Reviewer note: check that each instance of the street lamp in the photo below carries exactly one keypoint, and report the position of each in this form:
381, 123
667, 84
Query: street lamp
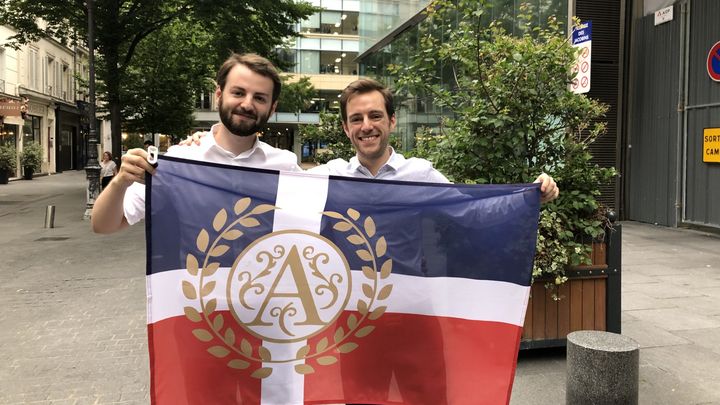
92, 168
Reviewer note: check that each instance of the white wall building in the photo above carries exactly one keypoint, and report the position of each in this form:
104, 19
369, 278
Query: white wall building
44, 73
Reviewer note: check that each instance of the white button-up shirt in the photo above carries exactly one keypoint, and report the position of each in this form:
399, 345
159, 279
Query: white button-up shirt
261, 155
396, 168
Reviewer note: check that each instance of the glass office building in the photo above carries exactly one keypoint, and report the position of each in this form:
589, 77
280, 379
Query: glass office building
389, 35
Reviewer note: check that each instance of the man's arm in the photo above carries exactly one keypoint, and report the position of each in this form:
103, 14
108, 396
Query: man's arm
108, 215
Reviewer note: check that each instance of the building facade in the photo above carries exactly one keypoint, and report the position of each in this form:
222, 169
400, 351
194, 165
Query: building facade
326, 53
44, 74
655, 63
672, 160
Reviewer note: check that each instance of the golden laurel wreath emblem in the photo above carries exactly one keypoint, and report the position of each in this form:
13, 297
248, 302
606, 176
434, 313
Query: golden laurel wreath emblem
212, 327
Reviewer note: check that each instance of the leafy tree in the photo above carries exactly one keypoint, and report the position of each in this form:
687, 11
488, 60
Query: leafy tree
510, 116
295, 96
158, 92
121, 26
328, 132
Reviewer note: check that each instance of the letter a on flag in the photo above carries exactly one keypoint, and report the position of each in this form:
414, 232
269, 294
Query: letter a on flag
268, 287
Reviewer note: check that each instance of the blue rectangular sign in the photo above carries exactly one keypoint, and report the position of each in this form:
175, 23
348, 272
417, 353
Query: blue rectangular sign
583, 33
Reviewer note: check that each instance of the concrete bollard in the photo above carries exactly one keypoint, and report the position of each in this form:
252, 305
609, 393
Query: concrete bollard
50, 216
602, 368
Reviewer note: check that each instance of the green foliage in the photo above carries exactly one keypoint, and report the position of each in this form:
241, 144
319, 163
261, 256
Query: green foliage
510, 116
8, 158
133, 141
329, 132
158, 92
31, 156
121, 28
295, 96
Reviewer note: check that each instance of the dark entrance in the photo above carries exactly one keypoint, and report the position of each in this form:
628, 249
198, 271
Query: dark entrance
66, 147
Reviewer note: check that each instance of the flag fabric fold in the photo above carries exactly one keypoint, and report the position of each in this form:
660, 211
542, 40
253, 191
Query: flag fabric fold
268, 287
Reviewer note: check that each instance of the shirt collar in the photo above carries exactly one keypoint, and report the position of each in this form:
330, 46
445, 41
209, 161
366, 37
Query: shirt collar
258, 146
393, 163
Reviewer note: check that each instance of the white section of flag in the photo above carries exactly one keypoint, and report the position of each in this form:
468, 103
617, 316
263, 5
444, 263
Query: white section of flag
301, 200
479, 300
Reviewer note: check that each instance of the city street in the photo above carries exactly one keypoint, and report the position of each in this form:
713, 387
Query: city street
73, 320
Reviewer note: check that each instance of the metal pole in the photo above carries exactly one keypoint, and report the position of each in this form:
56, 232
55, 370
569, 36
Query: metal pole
50, 216
92, 168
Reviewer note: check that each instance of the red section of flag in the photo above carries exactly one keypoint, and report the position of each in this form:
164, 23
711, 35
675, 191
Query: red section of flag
183, 372
406, 359
417, 359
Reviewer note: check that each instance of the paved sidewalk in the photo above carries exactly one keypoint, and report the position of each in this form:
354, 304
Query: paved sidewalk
73, 319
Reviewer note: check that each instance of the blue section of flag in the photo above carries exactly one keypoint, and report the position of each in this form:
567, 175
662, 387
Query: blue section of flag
442, 230
432, 230
183, 198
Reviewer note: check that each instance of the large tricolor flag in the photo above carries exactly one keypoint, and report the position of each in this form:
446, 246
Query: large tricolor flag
268, 287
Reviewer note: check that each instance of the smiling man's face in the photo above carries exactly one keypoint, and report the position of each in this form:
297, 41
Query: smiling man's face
245, 103
368, 126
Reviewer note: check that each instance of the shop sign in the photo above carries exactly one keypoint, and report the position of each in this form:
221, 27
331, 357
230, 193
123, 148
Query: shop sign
711, 145
10, 108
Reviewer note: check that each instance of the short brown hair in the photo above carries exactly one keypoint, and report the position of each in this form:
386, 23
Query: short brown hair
255, 63
364, 86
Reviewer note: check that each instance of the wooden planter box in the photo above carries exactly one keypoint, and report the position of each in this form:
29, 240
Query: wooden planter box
590, 299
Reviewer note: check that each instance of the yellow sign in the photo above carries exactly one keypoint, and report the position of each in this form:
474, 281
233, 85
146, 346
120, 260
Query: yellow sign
711, 145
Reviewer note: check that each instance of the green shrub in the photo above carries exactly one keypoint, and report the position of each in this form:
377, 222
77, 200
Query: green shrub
31, 156
8, 158
509, 116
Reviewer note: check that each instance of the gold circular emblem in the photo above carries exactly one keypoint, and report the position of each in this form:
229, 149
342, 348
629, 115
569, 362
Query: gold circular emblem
288, 286
284, 287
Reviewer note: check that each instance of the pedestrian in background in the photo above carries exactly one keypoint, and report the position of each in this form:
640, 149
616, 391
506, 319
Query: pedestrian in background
108, 169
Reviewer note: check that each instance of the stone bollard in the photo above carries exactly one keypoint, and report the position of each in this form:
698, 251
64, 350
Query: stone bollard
602, 368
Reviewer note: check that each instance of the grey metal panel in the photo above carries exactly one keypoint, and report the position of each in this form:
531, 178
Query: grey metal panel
652, 160
703, 179
704, 33
702, 182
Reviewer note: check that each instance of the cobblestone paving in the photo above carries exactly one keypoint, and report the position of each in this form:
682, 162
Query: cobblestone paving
72, 324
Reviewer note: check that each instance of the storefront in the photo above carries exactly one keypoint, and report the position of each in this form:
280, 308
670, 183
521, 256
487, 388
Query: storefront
69, 145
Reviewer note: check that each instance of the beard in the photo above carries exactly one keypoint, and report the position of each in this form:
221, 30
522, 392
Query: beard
242, 128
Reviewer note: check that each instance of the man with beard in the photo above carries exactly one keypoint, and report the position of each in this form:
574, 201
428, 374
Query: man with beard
247, 90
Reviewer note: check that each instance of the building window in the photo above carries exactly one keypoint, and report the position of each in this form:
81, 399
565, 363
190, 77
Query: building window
311, 25
31, 130
67, 83
49, 75
331, 22
338, 63
309, 62
33, 69
8, 134
203, 101
2, 70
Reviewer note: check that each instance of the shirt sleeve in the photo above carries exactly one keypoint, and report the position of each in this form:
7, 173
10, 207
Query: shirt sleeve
435, 176
134, 203
321, 169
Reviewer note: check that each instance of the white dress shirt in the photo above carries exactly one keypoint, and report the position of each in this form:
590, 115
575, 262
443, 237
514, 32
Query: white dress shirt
396, 168
261, 155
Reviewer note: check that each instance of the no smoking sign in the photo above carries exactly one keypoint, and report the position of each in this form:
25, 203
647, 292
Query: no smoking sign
582, 40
